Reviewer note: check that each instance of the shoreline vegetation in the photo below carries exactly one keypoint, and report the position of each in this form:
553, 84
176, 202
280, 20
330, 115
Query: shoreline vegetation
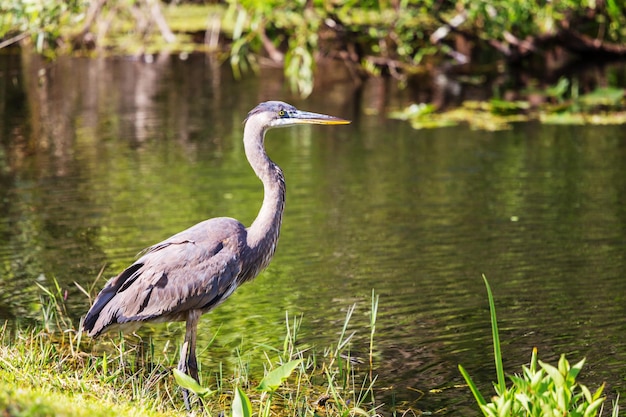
49, 369
488, 63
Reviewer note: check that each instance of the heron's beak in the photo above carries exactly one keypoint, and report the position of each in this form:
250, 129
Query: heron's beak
305, 117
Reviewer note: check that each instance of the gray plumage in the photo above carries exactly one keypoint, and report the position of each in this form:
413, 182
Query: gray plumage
192, 272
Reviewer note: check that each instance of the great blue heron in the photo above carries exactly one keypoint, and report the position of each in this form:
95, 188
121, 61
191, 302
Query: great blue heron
195, 270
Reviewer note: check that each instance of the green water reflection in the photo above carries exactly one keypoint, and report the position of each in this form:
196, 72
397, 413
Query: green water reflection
101, 158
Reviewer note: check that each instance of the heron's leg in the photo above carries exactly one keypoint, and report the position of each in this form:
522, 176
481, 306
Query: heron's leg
190, 336
188, 363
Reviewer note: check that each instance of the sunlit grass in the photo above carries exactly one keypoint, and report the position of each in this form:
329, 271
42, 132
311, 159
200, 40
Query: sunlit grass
48, 369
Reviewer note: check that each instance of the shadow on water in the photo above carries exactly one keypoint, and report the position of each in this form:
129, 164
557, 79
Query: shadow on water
100, 158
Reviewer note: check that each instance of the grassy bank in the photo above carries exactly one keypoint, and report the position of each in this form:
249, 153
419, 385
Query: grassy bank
49, 369
45, 373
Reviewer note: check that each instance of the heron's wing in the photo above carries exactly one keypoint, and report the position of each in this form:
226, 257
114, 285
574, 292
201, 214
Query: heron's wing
193, 270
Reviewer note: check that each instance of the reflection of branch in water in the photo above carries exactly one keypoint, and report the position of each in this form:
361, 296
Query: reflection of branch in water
145, 86
51, 103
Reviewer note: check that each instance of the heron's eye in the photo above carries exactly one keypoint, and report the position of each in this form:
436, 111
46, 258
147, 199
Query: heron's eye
282, 113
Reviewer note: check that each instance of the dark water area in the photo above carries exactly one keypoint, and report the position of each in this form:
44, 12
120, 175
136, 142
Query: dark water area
100, 158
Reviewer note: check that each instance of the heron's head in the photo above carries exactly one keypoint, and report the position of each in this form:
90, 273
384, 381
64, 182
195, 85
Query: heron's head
278, 114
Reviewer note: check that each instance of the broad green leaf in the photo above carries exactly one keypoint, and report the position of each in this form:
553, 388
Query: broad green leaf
554, 373
241, 404
598, 393
592, 410
190, 384
563, 397
489, 410
274, 378
536, 378
563, 365
575, 370
586, 393
505, 409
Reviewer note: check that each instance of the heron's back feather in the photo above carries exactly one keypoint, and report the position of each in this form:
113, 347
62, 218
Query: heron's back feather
193, 270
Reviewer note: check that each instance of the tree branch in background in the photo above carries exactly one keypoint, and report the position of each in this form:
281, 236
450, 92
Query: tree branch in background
95, 7
579, 43
14, 39
274, 54
157, 17
145, 13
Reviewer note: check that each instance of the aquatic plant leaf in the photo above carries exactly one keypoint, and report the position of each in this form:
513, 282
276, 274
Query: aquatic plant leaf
413, 111
573, 372
586, 393
559, 89
554, 374
505, 107
187, 382
563, 366
274, 378
241, 404
592, 409
543, 390
607, 96
497, 352
598, 393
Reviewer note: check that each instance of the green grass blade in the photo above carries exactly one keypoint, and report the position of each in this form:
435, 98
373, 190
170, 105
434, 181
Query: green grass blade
496, 340
373, 316
615, 407
472, 386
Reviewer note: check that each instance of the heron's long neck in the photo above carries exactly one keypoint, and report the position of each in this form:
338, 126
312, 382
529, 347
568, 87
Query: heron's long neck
264, 231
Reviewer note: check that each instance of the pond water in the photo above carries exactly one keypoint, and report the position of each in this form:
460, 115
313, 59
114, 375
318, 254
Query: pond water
100, 158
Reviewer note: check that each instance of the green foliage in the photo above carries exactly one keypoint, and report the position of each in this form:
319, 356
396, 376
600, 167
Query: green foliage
242, 407
187, 382
42, 20
241, 404
496, 19
375, 37
608, 97
545, 390
396, 36
494, 115
289, 382
51, 370
19, 401
559, 104
289, 32
273, 379
541, 390
270, 25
